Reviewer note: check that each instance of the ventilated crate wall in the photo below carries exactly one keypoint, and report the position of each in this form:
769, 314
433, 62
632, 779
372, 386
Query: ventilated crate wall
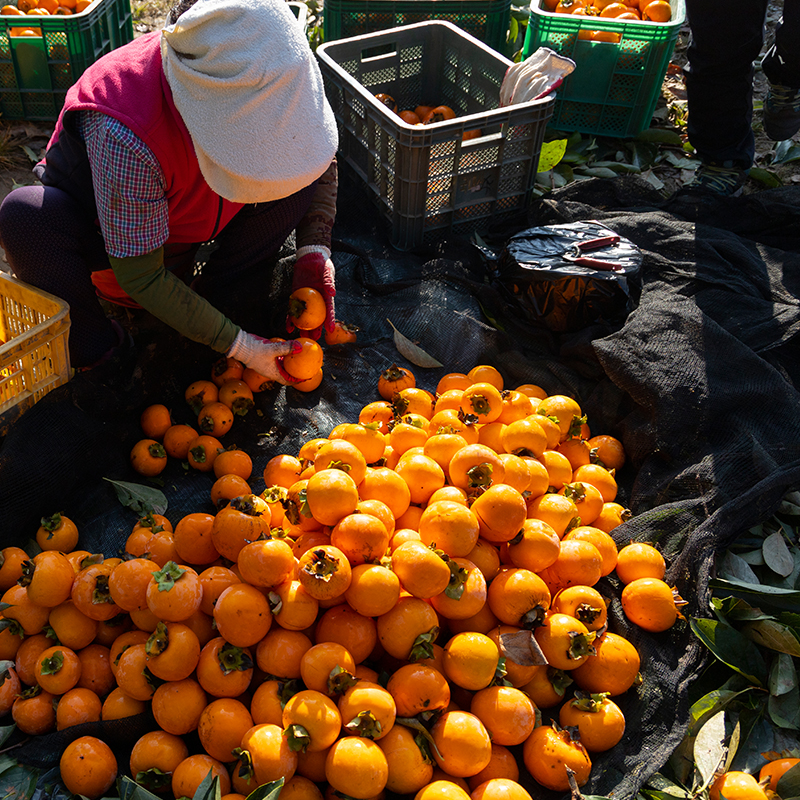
428, 180
616, 85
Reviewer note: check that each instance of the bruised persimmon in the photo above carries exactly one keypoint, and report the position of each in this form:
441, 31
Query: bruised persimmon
237, 395
342, 333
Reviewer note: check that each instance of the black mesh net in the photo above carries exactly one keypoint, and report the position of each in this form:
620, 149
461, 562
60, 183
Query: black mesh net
699, 382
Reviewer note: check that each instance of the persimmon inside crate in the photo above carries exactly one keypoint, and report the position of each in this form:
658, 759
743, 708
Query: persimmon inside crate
431, 180
34, 359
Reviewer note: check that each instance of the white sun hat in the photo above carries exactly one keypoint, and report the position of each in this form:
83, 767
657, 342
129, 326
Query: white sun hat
250, 92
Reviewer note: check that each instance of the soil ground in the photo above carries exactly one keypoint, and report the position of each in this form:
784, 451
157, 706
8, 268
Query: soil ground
21, 142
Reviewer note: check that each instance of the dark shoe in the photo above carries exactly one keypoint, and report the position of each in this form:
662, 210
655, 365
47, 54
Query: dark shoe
720, 181
781, 112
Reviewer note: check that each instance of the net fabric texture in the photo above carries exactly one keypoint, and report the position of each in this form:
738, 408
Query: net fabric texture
700, 382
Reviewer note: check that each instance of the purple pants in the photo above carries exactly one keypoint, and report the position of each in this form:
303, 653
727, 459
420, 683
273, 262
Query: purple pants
51, 242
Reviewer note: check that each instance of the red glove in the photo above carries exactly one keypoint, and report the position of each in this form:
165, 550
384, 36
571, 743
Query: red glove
314, 268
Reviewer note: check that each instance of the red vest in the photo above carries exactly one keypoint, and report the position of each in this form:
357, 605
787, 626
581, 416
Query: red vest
129, 84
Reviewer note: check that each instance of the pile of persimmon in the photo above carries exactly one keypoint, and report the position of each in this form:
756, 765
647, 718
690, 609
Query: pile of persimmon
423, 115
364, 623
39, 8
649, 10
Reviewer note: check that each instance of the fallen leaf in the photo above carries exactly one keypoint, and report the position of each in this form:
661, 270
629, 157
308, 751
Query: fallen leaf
410, 351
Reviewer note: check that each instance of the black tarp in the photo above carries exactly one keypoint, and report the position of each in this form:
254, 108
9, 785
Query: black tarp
699, 381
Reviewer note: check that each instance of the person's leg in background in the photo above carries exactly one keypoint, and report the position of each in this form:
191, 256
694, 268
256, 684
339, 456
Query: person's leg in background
781, 65
52, 244
726, 38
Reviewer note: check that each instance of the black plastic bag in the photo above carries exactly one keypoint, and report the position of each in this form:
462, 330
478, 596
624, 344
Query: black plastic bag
536, 277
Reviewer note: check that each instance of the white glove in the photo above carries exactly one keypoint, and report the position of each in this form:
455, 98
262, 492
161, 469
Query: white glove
539, 74
264, 357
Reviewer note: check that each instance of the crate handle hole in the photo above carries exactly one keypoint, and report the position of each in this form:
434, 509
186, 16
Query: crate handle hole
370, 53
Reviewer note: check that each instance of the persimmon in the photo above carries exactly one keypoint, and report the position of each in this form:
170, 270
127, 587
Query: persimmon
331, 495
373, 590
440, 113
387, 486
307, 309
193, 770
269, 754
215, 419
242, 615
307, 362
225, 369
91, 593
342, 333
311, 720
173, 651
193, 538
547, 753
237, 396
599, 720
463, 745
409, 629
177, 706
56, 532
507, 713
174, 592
279, 653
409, 117
408, 771
465, 594
775, 769
203, 451
88, 767
154, 757
356, 767
503, 764
71, 626
148, 457
10, 688
33, 711
155, 420
736, 785
293, 607
11, 559
222, 725
119, 705
199, 393
393, 379
243, 520
76, 707
613, 668
367, 710
48, 577
657, 11
451, 526
651, 604
58, 669
96, 671
640, 560
470, 660
584, 603
224, 670
518, 596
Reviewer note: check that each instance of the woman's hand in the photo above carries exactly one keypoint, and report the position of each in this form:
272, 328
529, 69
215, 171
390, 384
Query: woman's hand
266, 358
315, 269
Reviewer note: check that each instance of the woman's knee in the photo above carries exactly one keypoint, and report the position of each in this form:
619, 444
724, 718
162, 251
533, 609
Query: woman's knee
21, 217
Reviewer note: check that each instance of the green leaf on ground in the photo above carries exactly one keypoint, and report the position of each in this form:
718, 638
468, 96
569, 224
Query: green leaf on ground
551, 154
766, 178
773, 635
139, 498
731, 648
777, 555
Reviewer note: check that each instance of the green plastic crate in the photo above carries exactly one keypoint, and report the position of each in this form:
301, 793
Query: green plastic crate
432, 180
616, 85
486, 20
37, 71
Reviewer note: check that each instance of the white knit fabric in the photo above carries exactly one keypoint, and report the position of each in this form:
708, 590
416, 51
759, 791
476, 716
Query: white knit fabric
249, 89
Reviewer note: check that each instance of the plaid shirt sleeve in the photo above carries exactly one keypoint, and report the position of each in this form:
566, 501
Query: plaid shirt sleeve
128, 186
